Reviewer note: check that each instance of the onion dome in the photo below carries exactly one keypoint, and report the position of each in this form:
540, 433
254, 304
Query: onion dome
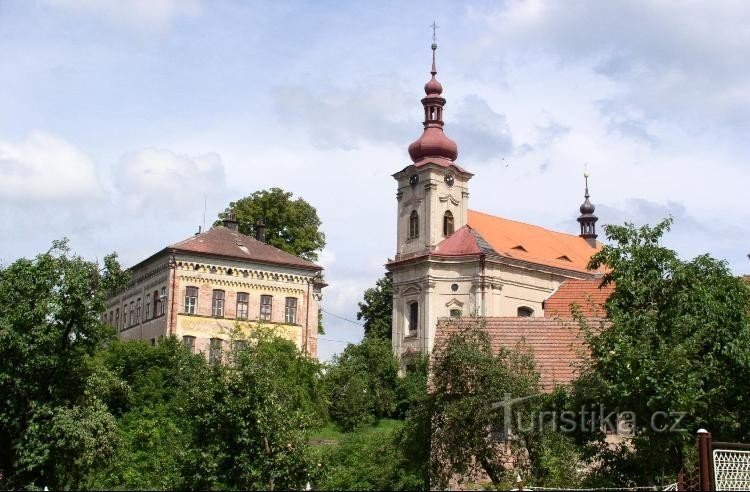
433, 142
587, 218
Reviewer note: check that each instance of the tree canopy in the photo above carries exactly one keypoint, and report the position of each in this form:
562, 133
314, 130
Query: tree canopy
54, 425
377, 309
291, 225
677, 341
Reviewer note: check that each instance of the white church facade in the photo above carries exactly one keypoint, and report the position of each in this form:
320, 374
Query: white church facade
454, 262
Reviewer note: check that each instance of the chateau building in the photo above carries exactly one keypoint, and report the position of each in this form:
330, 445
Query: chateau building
453, 262
202, 288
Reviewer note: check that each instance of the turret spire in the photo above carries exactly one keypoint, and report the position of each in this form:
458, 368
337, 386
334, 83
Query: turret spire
587, 218
433, 143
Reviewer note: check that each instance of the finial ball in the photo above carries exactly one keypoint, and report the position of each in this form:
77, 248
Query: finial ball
434, 46
586, 174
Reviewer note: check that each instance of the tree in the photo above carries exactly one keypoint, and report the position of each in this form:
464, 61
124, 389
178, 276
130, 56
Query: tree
291, 225
677, 340
361, 383
54, 425
155, 431
250, 418
377, 309
467, 380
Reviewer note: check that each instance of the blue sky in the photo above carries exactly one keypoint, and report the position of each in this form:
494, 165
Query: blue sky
117, 118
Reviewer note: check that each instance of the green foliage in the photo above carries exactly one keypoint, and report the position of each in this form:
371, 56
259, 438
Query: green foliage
53, 424
361, 383
367, 460
154, 429
678, 340
291, 225
321, 328
250, 420
377, 309
467, 379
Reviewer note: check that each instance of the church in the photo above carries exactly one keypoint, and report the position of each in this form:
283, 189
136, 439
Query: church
455, 263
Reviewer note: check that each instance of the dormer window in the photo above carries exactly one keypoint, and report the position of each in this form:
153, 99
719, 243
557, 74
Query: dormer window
413, 225
525, 312
447, 223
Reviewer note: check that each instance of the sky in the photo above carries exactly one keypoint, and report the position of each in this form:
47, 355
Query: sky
120, 119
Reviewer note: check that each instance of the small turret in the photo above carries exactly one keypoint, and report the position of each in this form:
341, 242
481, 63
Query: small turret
587, 218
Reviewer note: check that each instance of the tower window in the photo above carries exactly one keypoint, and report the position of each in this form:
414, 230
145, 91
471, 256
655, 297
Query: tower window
413, 225
447, 223
525, 312
413, 316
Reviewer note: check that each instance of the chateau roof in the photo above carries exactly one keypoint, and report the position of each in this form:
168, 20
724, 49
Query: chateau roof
557, 344
227, 243
532, 243
589, 295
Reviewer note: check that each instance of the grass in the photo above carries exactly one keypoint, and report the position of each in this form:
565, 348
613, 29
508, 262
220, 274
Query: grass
331, 434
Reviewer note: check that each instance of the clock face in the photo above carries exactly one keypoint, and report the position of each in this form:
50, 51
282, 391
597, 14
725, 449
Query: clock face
449, 179
414, 179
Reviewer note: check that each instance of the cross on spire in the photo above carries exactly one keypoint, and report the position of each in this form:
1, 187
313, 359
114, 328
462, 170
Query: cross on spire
434, 27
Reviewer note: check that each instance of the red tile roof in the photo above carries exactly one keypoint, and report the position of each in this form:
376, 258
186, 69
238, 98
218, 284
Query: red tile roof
557, 344
221, 241
461, 243
588, 295
533, 243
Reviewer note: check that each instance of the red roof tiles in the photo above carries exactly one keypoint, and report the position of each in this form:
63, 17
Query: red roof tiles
532, 243
460, 243
588, 295
221, 241
557, 344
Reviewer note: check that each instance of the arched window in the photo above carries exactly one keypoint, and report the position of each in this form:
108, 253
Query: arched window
413, 317
413, 224
447, 223
525, 312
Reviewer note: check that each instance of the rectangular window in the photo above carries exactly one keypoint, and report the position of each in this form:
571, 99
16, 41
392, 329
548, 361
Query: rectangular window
214, 353
242, 305
111, 318
147, 306
455, 313
290, 310
153, 342
132, 313
413, 316
117, 317
239, 345
189, 343
138, 311
266, 307
162, 300
191, 300
217, 304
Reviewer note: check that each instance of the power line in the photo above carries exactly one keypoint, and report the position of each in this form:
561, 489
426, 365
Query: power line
342, 318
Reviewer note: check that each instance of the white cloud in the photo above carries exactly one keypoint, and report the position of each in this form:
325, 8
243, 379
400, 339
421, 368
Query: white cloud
686, 59
157, 178
45, 168
150, 14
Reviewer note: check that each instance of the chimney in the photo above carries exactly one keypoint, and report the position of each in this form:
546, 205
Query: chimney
230, 222
260, 231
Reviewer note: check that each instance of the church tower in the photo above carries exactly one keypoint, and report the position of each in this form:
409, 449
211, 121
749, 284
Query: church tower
433, 191
432, 203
